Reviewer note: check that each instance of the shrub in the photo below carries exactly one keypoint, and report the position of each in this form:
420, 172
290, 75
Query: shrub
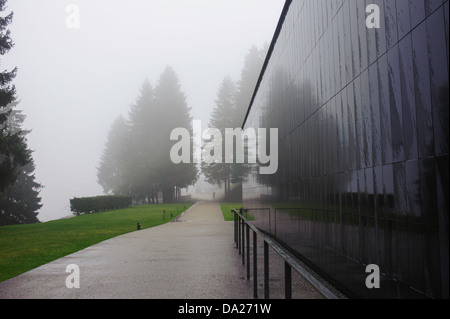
95, 204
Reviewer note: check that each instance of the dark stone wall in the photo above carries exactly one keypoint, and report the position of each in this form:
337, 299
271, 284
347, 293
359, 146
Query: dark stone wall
362, 118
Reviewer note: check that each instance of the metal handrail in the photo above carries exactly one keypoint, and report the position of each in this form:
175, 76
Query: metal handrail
241, 226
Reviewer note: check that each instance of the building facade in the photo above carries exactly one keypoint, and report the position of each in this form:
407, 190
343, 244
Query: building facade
362, 118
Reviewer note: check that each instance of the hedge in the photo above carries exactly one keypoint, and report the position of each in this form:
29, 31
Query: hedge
95, 204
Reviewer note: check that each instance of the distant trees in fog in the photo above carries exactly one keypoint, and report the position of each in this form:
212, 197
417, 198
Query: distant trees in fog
233, 100
136, 160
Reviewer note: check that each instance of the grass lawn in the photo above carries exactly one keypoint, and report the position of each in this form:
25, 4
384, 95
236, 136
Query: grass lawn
228, 215
226, 210
24, 247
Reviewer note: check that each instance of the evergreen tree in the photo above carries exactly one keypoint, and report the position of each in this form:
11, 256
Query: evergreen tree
231, 107
172, 112
111, 172
20, 201
13, 151
254, 61
137, 160
222, 117
141, 170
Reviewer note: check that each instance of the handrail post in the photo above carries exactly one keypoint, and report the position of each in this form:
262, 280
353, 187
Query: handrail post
287, 281
235, 230
248, 250
255, 266
239, 234
266, 270
243, 239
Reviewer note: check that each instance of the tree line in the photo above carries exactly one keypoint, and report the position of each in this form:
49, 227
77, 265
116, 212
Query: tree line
231, 105
136, 158
19, 191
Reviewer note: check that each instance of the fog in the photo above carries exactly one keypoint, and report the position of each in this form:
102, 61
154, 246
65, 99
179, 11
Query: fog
72, 83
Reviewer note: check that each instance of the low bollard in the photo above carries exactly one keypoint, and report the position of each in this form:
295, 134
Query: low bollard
138, 226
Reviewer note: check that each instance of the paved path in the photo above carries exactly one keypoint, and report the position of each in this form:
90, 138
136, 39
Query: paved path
192, 258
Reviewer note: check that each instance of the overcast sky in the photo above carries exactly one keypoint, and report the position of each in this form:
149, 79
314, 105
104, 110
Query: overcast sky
73, 83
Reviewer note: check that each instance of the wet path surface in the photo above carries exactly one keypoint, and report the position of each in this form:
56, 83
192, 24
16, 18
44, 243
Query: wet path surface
193, 258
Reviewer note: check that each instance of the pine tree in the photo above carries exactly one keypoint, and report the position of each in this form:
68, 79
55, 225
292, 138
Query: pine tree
13, 151
172, 112
231, 107
111, 172
222, 117
141, 170
254, 61
137, 160
20, 201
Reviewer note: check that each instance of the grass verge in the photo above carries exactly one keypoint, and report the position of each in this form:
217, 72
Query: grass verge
24, 247
226, 210
228, 215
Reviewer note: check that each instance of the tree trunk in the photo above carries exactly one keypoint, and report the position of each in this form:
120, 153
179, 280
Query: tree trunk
155, 196
168, 195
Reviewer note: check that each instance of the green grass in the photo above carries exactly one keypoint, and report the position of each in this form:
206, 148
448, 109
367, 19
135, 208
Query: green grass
228, 215
24, 247
226, 210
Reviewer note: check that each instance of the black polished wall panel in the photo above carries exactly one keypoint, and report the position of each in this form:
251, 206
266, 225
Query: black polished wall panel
438, 79
395, 105
362, 118
385, 111
422, 92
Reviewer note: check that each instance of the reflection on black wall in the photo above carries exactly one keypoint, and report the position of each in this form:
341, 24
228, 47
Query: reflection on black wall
363, 119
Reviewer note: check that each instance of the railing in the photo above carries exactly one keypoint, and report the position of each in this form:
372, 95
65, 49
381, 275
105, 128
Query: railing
242, 229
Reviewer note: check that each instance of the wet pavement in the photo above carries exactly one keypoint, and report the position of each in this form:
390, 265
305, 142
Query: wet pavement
193, 258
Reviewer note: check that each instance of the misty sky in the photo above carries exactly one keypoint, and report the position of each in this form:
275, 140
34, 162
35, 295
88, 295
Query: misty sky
73, 83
